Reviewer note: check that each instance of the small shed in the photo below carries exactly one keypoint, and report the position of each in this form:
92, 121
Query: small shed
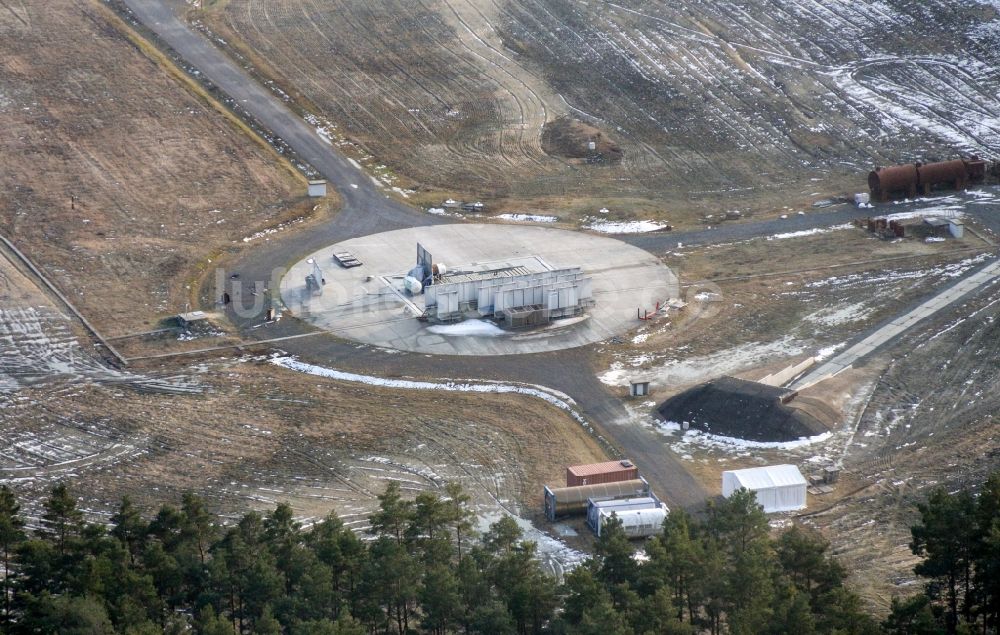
956, 228
191, 318
637, 523
638, 387
938, 226
317, 188
607, 472
779, 488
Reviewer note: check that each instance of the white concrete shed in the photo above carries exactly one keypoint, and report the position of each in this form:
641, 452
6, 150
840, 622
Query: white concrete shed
779, 488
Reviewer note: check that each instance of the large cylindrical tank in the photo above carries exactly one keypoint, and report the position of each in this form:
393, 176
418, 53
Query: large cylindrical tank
952, 174
976, 169
440, 269
898, 179
637, 523
564, 501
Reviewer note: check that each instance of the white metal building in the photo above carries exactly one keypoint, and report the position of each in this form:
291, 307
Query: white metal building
596, 506
637, 523
507, 293
779, 488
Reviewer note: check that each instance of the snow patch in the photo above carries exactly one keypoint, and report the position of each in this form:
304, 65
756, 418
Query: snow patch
475, 328
810, 232
833, 317
528, 218
553, 397
719, 442
626, 227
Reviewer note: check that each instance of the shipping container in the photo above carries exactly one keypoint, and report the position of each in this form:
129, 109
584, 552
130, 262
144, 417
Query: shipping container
595, 507
637, 523
565, 501
595, 473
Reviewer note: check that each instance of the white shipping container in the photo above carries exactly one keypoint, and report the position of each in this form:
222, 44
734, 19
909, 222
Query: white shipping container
596, 506
637, 523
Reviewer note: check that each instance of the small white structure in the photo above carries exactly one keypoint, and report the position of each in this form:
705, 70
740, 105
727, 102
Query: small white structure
317, 188
638, 387
637, 523
862, 198
779, 488
956, 228
595, 507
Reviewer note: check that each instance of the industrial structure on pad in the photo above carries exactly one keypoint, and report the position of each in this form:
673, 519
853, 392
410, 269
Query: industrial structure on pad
517, 293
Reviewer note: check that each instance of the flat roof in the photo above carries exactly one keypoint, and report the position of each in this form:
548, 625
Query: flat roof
755, 478
487, 274
600, 468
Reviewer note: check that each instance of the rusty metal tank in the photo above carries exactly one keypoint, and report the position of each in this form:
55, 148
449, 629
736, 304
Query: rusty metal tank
976, 169
899, 179
945, 174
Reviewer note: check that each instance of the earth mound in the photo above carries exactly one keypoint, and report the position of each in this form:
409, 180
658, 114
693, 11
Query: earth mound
742, 409
572, 139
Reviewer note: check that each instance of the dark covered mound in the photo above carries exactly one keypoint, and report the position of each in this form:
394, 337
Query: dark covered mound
743, 409
570, 138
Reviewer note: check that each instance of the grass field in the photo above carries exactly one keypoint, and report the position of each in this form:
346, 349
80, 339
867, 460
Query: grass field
749, 106
119, 181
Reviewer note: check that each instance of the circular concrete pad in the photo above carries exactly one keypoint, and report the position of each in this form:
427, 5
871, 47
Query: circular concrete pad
367, 303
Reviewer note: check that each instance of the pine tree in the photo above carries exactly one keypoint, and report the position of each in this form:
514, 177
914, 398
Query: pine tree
458, 514
61, 520
613, 554
440, 599
740, 527
343, 554
912, 617
679, 556
196, 525
803, 559
129, 527
12, 536
393, 514
946, 536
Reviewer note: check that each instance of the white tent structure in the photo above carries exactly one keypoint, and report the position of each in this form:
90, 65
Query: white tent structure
779, 488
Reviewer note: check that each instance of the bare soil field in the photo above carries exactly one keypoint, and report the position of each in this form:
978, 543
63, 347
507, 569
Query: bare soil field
820, 287
117, 181
895, 432
258, 434
751, 106
913, 434
246, 434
